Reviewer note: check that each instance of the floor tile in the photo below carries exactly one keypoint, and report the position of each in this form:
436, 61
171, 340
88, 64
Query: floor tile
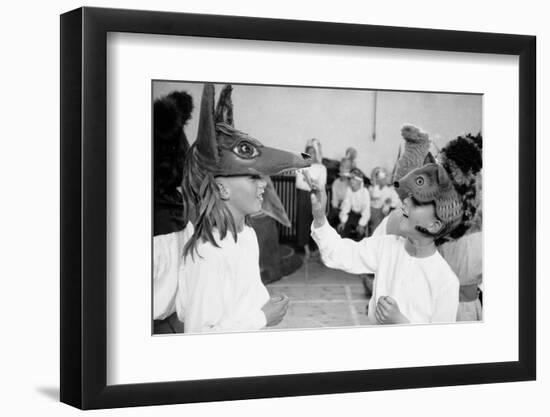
321, 297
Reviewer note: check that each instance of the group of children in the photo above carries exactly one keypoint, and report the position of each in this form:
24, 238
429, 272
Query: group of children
358, 204
218, 287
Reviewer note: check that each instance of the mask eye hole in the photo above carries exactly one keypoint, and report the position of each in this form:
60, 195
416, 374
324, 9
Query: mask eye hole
419, 181
246, 150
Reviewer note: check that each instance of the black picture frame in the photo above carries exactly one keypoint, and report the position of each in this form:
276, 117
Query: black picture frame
84, 207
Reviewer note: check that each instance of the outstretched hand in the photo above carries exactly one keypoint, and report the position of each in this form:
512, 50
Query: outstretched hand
318, 200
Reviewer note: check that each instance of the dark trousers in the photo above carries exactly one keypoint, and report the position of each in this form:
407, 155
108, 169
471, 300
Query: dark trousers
304, 218
350, 229
170, 324
333, 216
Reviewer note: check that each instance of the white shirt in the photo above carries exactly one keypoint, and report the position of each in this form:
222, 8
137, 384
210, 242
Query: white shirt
317, 172
426, 289
339, 189
220, 289
465, 257
380, 196
358, 202
167, 254
381, 229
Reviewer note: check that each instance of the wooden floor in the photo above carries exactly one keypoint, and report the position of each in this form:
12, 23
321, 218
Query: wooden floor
321, 297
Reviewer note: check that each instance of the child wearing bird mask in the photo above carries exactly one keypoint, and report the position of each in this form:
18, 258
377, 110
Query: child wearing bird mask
413, 284
225, 180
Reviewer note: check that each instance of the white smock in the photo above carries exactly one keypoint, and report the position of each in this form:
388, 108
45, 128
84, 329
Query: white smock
220, 288
425, 289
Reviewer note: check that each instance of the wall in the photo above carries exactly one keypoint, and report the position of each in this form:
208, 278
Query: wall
288, 116
30, 214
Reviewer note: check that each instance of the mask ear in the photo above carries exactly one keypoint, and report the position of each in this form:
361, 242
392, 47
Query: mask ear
206, 142
224, 108
442, 176
429, 159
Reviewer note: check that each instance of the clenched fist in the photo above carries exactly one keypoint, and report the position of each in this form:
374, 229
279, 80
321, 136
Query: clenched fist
275, 310
387, 311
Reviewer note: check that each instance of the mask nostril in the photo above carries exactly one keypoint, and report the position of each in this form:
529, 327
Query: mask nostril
306, 156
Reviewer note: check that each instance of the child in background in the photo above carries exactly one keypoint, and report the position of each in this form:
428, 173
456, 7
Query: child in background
413, 282
318, 172
355, 209
170, 115
383, 197
351, 154
340, 188
462, 158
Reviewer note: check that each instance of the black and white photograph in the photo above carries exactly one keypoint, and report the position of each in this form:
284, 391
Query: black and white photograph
301, 207
275, 208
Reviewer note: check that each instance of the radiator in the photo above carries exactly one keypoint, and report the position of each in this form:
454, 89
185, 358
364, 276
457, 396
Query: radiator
285, 185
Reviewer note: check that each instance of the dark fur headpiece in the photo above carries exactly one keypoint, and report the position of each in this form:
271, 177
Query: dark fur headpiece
462, 159
171, 113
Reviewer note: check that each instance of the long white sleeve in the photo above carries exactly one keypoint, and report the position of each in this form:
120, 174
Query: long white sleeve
346, 254
167, 252
425, 289
165, 275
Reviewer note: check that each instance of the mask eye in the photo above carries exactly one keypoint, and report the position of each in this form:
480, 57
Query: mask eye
419, 181
246, 150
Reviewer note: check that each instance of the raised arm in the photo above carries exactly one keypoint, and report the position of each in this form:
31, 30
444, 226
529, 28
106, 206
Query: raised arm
345, 254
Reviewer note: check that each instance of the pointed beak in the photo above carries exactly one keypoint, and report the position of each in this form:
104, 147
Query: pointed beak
306, 156
272, 205
275, 161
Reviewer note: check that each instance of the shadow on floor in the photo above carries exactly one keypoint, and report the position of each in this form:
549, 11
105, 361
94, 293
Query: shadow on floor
49, 392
